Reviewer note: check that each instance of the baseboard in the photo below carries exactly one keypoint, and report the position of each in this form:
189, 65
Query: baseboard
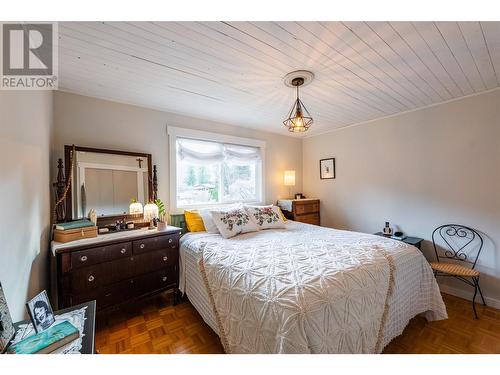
468, 294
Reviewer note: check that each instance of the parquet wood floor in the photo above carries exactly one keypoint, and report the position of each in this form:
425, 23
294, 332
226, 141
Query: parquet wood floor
156, 326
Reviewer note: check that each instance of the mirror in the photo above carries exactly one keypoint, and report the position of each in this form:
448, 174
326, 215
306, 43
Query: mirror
107, 181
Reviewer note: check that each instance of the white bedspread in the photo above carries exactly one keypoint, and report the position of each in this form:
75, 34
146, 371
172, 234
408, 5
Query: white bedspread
307, 289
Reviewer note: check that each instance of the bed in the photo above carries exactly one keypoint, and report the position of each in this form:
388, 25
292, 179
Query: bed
306, 289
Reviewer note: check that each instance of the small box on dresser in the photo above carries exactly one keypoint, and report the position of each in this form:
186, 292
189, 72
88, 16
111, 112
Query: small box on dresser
115, 268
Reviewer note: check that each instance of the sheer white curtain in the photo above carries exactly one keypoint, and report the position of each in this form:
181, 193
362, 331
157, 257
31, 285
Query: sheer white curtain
238, 152
208, 152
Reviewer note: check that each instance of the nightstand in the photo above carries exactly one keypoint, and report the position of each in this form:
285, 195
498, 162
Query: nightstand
88, 328
415, 241
303, 210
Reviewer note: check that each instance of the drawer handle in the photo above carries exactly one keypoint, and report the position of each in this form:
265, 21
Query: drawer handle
142, 246
91, 278
83, 258
164, 278
169, 240
165, 259
123, 251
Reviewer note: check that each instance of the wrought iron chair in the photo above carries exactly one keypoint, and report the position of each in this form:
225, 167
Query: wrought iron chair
460, 247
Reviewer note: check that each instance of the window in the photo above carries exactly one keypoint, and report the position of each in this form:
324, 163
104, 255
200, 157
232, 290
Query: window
209, 172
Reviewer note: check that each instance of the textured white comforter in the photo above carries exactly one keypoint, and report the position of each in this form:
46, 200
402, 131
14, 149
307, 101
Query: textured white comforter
309, 289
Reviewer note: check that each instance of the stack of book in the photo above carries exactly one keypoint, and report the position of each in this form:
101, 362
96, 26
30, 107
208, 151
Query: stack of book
74, 230
47, 341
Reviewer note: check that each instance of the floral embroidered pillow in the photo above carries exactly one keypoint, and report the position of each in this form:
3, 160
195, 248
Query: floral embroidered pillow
266, 217
233, 222
208, 221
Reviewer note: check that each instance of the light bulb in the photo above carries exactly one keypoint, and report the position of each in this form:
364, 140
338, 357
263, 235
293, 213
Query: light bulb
299, 122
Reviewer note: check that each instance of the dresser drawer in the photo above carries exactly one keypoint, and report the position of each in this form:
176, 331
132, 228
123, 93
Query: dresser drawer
88, 279
101, 254
127, 289
96, 276
155, 243
107, 296
308, 218
154, 260
155, 281
306, 208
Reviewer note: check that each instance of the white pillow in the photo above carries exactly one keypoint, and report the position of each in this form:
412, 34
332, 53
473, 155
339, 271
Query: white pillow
208, 222
266, 217
206, 216
233, 222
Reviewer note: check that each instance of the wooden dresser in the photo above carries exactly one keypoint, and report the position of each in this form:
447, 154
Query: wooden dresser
115, 268
303, 210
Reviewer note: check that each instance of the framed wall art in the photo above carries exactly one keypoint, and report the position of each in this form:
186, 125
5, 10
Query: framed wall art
327, 169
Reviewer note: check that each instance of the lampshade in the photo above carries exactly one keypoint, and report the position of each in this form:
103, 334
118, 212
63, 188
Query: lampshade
289, 178
135, 208
150, 211
299, 118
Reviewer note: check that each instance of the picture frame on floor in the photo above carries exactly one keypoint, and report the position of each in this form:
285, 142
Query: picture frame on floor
327, 169
7, 330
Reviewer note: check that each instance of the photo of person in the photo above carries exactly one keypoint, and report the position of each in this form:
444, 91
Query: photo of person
41, 312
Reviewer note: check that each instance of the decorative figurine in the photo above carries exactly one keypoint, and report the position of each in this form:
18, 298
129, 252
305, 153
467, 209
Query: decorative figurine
387, 229
93, 216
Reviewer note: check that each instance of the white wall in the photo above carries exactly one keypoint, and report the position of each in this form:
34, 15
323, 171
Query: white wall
92, 122
25, 139
417, 170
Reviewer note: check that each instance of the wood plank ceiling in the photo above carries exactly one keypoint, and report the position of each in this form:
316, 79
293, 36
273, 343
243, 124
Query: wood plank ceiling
233, 72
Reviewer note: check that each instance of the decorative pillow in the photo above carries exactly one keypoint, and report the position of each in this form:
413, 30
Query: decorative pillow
233, 222
267, 217
270, 205
194, 222
208, 222
282, 214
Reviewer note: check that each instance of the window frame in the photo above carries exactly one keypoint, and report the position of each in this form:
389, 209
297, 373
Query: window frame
176, 132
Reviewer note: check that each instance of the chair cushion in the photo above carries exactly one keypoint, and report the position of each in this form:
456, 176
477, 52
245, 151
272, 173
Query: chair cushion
453, 269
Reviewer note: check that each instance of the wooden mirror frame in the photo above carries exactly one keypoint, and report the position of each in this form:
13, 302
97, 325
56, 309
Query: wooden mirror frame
67, 166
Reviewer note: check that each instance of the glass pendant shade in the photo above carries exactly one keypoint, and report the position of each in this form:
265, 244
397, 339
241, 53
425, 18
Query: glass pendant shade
298, 119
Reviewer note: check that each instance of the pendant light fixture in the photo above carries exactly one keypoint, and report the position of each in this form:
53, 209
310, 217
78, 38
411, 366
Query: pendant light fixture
298, 119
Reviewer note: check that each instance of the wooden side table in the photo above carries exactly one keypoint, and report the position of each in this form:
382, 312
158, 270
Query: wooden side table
415, 241
304, 210
88, 328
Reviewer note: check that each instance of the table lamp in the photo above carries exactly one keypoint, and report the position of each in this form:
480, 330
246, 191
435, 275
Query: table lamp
289, 180
135, 208
150, 213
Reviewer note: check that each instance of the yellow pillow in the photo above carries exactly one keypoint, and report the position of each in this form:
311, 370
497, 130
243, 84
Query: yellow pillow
282, 215
194, 222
